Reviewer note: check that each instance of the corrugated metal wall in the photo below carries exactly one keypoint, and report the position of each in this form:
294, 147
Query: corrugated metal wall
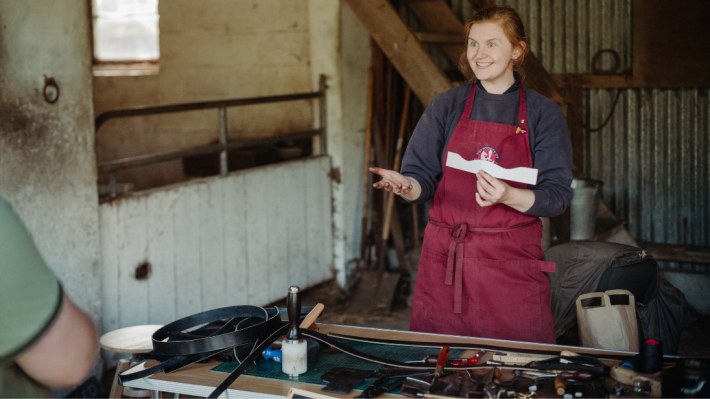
652, 155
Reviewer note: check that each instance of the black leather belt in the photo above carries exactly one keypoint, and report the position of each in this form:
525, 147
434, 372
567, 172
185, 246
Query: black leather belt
245, 324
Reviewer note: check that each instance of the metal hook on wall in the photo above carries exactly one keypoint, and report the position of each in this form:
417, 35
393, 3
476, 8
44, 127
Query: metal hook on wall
50, 95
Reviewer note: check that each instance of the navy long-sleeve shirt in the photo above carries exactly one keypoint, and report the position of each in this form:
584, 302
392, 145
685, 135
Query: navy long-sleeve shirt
550, 142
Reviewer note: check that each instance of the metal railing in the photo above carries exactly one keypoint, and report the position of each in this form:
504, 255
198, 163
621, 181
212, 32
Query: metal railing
224, 145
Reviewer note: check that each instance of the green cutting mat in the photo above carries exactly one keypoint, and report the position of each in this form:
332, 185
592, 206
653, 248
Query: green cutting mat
330, 360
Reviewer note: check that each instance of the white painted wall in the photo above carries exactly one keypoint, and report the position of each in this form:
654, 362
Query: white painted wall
211, 50
242, 239
47, 163
356, 59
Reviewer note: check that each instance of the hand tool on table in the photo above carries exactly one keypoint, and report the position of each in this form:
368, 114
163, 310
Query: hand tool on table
630, 377
382, 385
273, 354
493, 388
432, 359
559, 385
441, 360
294, 348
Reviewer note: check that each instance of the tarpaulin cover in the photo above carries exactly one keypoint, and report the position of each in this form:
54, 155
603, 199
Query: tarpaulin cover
580, 267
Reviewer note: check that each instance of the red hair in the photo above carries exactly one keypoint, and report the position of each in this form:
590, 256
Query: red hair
513, 28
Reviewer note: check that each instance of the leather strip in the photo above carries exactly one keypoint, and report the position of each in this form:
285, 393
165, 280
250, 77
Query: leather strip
233, 333
459, 345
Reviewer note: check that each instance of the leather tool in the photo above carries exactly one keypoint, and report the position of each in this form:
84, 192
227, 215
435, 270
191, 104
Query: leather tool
440, 364
294, 350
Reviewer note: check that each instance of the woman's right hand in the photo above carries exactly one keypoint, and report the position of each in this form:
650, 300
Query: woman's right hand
392, 181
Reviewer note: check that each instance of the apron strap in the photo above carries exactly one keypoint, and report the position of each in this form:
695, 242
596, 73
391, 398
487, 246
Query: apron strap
454, 262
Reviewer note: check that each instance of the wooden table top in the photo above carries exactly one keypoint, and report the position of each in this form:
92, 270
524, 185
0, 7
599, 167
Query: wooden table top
198, 380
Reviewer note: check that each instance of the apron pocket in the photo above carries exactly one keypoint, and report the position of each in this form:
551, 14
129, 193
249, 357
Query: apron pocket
506, 295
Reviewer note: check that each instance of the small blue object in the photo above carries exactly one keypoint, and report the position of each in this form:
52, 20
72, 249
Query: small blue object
273, 354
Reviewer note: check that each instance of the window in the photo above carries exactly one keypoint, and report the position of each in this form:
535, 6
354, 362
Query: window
126, 37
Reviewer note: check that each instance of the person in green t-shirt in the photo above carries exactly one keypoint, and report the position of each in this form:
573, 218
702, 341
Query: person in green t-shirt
45, 340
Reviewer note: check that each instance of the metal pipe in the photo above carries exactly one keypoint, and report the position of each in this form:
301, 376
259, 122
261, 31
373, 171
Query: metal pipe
162, 109
142, 160
223, 166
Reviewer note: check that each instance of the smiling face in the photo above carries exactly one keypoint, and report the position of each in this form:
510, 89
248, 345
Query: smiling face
491, 56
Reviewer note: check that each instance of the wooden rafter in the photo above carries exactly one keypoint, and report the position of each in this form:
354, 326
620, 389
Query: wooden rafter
402, 48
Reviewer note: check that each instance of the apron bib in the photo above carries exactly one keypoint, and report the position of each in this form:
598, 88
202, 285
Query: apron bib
481, 269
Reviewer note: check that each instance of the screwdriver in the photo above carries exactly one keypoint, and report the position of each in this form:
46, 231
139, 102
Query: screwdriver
432, 360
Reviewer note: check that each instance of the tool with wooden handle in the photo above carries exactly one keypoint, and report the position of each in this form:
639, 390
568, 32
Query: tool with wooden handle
630, 377
441, 360
560, 385
395, 167
366, 174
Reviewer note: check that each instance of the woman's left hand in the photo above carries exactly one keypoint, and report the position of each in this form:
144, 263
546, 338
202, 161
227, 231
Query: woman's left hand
491, 191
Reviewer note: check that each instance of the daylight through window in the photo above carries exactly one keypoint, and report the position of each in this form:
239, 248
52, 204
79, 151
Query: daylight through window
126, 31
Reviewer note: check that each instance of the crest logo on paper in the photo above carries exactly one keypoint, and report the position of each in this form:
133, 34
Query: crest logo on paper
487, 154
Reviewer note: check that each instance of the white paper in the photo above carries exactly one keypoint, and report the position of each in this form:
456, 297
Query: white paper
521, 175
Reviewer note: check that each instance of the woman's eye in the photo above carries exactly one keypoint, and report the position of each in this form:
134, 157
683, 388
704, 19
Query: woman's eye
474, 44
491, 44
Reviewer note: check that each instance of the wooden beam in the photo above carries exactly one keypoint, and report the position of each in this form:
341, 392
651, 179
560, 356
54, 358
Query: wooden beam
438, 18
446, 38
401, 47
597, 81
671, 43
677, 253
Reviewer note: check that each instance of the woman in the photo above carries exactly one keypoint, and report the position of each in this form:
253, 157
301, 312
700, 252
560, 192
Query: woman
481, 269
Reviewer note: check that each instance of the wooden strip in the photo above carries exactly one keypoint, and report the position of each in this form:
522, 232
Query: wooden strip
187, 252
312, 316
116, 388
133, 306
677, 253
401, 47
110, 294
235, 236
255, 183
596, 81
447, 38
161, 255
211, 233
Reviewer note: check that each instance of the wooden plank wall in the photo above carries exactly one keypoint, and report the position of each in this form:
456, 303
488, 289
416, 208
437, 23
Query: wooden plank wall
214, 242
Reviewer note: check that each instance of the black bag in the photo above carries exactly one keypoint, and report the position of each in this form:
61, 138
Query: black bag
590, 266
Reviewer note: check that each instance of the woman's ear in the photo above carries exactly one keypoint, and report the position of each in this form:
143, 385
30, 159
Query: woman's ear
518, 51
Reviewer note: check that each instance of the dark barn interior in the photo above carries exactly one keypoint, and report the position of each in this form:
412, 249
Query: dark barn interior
172, 157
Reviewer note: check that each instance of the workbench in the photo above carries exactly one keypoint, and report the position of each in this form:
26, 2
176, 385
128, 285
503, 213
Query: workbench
199, 380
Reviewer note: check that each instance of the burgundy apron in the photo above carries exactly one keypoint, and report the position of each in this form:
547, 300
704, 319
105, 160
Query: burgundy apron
481, 269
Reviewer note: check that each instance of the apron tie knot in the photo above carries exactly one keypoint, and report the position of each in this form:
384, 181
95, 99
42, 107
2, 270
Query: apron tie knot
456, 246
